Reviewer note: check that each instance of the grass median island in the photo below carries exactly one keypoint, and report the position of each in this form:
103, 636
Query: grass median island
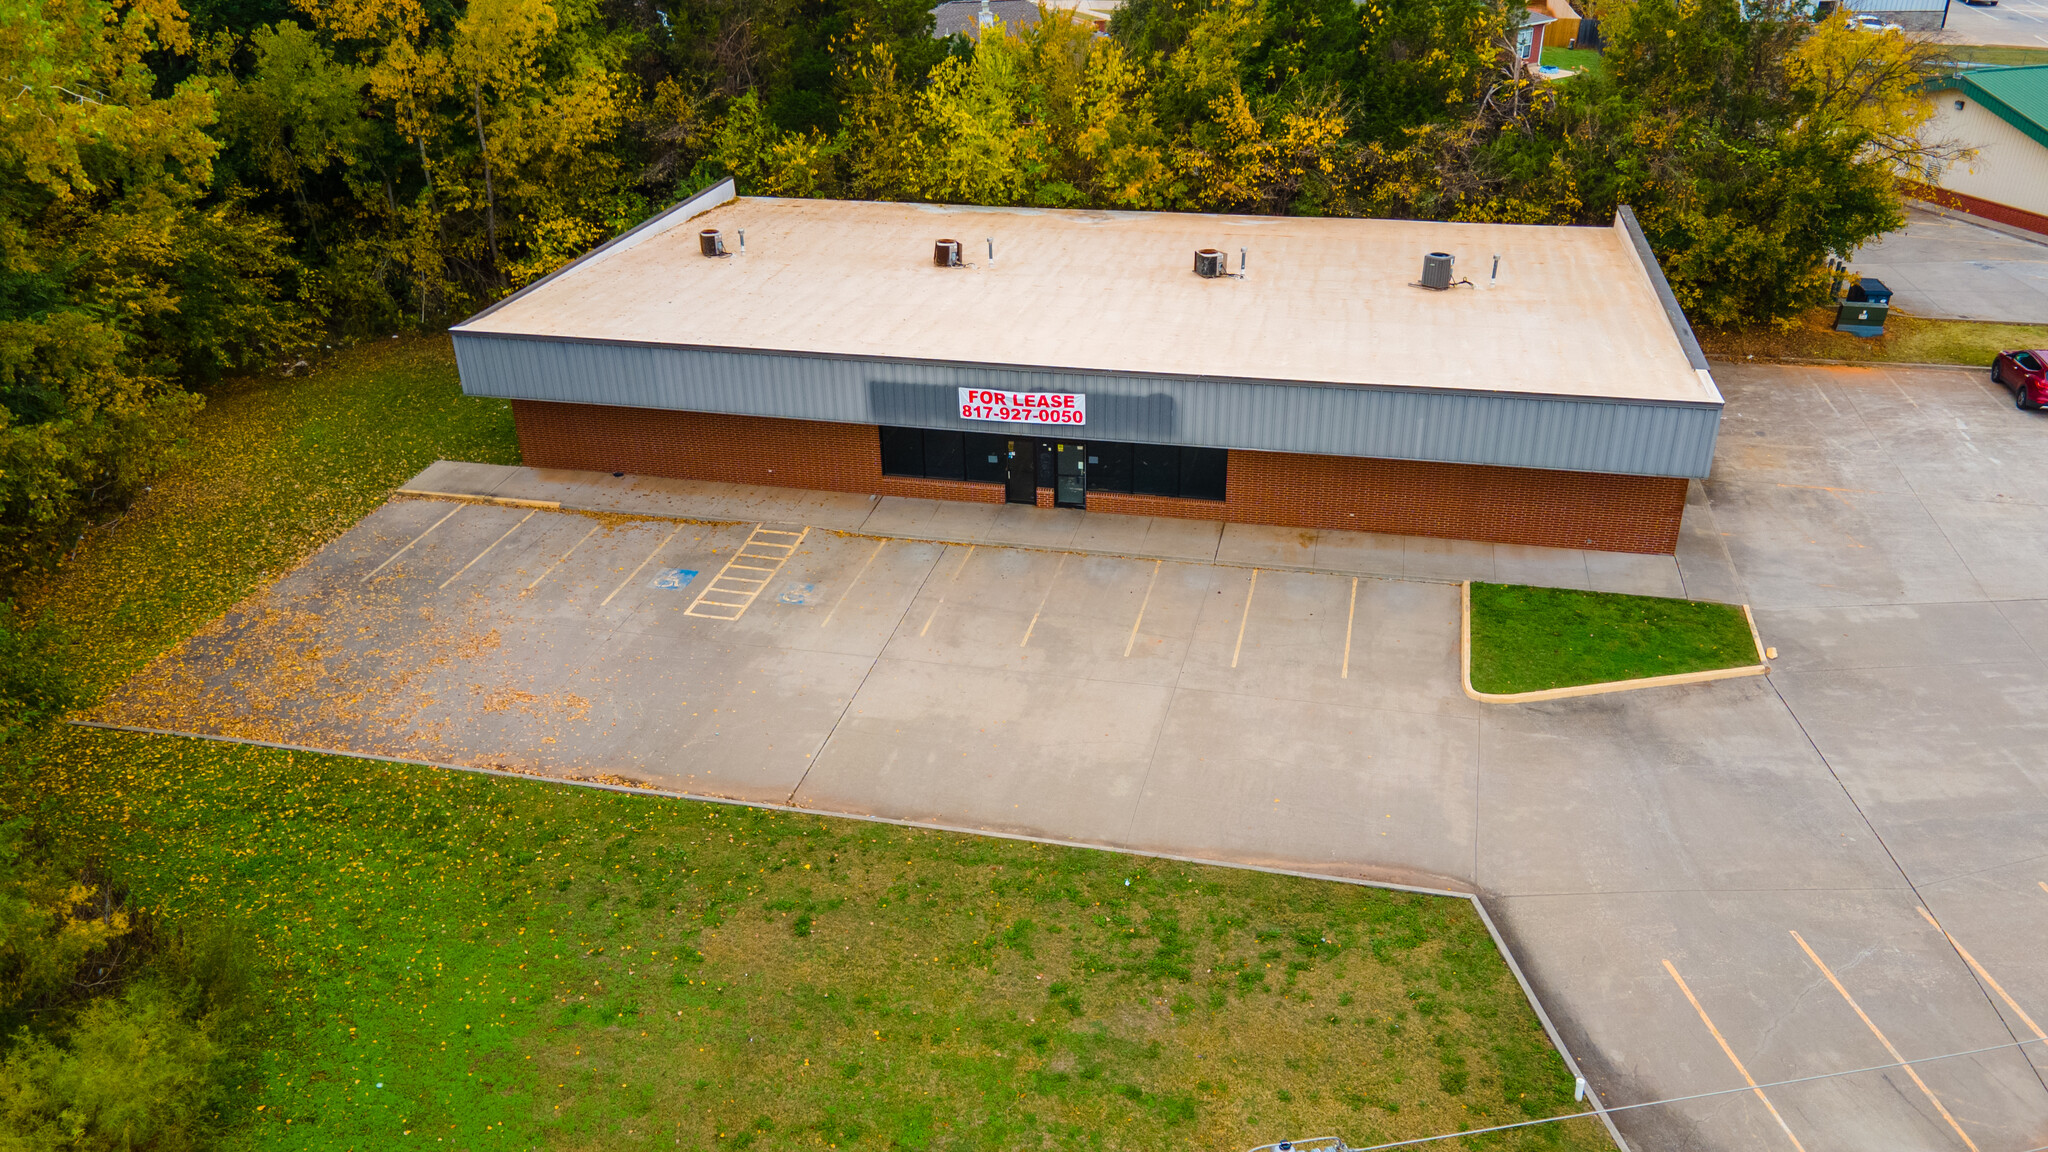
490, 963
1527, 639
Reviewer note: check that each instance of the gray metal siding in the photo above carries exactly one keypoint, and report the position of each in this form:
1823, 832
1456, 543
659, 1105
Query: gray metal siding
1581, 435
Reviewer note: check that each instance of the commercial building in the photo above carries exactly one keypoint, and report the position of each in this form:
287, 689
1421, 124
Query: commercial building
1551, 395
2001, 116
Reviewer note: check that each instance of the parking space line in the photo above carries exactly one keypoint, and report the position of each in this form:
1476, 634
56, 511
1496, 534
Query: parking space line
1732, 1058
934, 616
963, 562
486, 551
1050, 585
1985, 976
741, 591
562, 558
414, 540
1142, 604
1242, 620
1868, 1023
1349, 616
837, 604
636, 568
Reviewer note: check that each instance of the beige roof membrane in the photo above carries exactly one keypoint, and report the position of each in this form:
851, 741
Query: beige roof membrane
1573, 311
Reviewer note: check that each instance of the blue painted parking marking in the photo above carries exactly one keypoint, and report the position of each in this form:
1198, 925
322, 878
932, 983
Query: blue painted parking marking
795, 593
673, 578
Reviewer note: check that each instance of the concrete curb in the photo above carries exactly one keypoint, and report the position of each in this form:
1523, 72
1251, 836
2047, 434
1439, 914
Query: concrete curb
472, 498
946, 541
1500, 943
1465, 667
1810, 362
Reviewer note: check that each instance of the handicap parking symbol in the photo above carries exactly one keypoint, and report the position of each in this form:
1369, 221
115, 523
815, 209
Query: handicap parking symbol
673, 578
794, 593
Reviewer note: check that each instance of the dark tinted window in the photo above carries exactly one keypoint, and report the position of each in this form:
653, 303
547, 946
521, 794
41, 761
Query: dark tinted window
985, 457
1155, 469
1048, 463
1202, 473
945, 456
902, 452
1109, 467
2026, 360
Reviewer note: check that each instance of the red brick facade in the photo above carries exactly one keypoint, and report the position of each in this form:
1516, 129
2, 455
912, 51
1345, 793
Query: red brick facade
1403, 497
1978, 206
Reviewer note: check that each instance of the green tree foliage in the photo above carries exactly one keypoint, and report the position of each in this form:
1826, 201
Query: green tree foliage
1752, 144
37, 683
114, 1035
121, 273
180, 206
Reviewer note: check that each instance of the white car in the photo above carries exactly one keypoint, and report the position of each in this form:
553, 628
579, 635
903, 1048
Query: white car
1869, 23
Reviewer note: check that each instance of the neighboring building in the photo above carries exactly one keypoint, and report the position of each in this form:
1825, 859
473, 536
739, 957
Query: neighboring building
1563, 29
1088, 366
965, 17
2002, 113
1911, 15
1530, 37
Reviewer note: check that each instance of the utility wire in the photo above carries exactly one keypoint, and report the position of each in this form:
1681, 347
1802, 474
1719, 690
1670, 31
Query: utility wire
1613, 1108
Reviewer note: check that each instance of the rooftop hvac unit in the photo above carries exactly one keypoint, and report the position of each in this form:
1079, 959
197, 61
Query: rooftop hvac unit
1210, 263
946, 253
1436, 271
711, 242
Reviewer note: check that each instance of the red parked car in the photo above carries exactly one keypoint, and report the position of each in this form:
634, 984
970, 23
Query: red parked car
2026, 373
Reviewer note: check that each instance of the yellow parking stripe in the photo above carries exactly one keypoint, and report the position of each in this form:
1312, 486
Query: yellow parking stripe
1142, 605
1241, 621
415, 540
728, 595
1985, 976
1924, 1089
485, 552
1732, 1059
563, 558
642, 564
837, 604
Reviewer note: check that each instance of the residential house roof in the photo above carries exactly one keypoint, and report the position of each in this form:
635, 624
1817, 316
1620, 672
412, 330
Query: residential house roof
963, 17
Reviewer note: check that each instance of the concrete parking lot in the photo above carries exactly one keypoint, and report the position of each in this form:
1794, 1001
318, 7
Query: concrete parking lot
1712, 887
1945, 266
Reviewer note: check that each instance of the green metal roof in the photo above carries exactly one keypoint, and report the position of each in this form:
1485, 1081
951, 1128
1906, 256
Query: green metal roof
2018, 95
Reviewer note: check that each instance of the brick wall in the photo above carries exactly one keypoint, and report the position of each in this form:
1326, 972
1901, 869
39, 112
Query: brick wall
1402, 497
813, 454
1978, 206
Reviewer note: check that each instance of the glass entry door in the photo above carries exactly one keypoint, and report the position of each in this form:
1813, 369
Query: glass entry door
1070, 486
1020, 471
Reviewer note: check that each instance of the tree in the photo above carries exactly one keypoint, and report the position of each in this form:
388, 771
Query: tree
123, 269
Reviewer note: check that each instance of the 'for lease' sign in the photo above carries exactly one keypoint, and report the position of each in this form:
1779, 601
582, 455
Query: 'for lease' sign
1023, 407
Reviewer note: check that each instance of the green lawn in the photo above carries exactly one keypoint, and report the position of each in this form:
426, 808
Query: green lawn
488, 963
1907, 339
1578, 59
1528, 639
1996, 54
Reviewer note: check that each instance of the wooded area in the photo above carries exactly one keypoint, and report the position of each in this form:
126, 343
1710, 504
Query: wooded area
191, 194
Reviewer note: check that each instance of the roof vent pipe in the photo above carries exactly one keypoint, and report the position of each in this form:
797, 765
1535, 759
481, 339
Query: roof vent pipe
711, 242
1210, 263
946, 253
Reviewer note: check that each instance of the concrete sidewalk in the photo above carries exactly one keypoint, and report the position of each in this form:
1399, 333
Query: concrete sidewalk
1065, 530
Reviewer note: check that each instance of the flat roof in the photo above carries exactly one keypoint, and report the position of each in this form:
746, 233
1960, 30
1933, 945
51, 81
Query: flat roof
1573, 313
